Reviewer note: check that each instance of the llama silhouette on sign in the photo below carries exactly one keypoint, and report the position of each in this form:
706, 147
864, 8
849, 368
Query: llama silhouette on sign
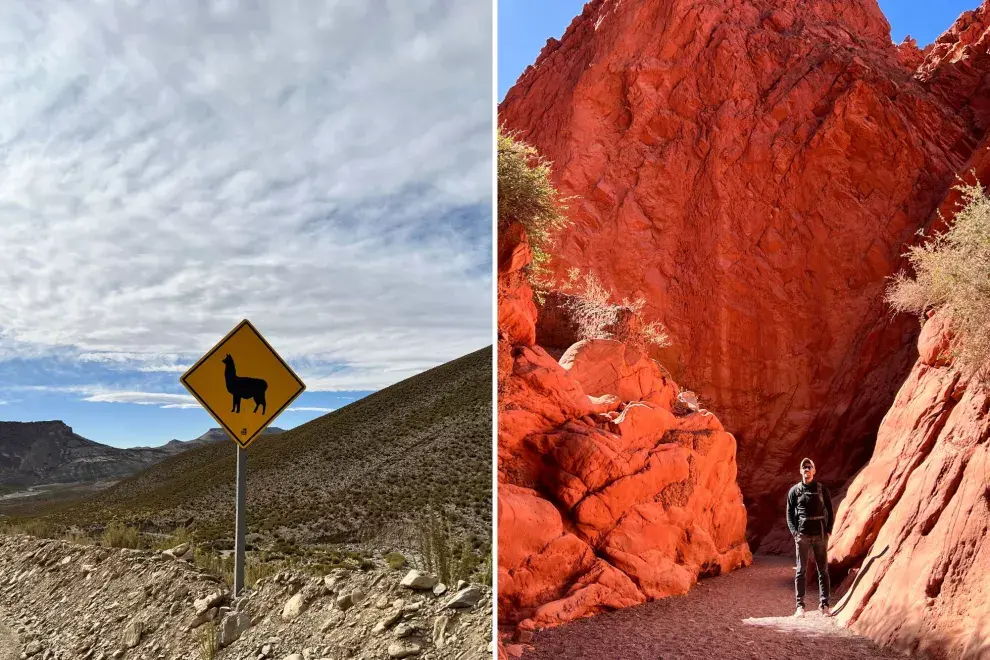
241, 387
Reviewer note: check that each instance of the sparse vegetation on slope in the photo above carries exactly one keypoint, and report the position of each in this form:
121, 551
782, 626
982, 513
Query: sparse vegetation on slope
952, 273
365, 473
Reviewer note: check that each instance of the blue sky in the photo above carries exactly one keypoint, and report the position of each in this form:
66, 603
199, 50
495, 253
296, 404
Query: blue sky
168, 169
524, 27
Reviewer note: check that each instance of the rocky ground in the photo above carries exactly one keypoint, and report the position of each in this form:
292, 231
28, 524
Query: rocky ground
743, 615
63, 600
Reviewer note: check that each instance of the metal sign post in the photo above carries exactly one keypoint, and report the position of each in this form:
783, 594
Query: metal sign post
242, 369
239, 522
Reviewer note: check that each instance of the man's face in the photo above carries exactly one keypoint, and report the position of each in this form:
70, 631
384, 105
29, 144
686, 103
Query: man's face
807, 472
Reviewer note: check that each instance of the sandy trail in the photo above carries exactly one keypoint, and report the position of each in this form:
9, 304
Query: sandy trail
740, 616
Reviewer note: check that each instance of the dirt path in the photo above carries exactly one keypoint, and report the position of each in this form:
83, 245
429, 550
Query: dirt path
743, 615
10, 647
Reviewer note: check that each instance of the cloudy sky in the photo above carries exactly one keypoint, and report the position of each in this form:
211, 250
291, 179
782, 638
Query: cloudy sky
167, 169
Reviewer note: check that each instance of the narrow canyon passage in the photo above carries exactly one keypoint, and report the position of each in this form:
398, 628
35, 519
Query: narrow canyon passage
743, 615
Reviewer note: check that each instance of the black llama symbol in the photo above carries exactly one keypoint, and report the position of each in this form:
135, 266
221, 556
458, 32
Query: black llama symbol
243, 388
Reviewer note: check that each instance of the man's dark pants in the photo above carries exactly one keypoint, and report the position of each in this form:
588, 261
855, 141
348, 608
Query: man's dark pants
805, 546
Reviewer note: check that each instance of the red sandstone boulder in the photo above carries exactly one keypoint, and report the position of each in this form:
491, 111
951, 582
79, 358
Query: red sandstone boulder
516, 311
610, 492
754, 170
926, 494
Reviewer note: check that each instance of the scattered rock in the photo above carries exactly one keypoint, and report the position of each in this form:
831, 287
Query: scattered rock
142, 606
403, 649
467, 597
132, 633
232, 626
415, 579
294, 607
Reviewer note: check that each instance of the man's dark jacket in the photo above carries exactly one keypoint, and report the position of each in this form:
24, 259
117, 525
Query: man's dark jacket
806, 505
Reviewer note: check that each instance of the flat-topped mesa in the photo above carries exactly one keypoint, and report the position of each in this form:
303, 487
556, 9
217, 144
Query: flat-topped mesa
612, 491
754, 171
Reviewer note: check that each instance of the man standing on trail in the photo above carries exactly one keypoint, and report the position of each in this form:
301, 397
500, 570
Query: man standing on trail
810, 518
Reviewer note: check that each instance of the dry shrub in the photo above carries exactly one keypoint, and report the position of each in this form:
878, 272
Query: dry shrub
207, 640
952, 274
597, 317
526, 195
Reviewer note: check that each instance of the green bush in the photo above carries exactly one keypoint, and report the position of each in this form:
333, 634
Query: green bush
444, 555
118, 535
207, 638
952, 274
395, 560
526, 195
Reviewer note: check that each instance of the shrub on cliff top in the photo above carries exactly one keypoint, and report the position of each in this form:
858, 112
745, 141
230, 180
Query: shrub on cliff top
952, 273
525, 194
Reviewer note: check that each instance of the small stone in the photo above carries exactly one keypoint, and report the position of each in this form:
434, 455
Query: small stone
203, 604
232, 627
441, 627
440, 589
389, 621
345, 602
132, 634
417, 580
403, 649
177, 551
294, 607
466, 598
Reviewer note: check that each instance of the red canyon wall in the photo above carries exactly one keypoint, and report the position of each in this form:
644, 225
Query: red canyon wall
754, 169
926, 494
610, 494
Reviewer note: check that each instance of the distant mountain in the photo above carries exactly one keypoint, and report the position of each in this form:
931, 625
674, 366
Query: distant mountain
33, 453
213, 435
368, 469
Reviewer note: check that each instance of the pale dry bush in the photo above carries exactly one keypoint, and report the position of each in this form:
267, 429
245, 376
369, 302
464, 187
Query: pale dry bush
952, 274
596, 316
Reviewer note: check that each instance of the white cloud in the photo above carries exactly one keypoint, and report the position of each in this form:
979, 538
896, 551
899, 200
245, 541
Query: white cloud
309, 409
167, 169
145, 399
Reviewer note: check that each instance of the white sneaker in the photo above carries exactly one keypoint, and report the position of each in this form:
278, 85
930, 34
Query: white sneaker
799, 611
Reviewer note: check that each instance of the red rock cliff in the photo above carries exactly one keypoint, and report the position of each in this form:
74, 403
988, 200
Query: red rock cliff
925, 495
754, 168
609, 495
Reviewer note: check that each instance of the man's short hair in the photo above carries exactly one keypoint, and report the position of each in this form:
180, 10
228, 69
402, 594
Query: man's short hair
807, 461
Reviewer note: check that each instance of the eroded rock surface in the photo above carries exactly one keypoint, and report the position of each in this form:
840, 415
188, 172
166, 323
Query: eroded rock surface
607, 497
925, 495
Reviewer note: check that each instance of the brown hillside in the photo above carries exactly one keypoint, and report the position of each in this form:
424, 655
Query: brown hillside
366, 471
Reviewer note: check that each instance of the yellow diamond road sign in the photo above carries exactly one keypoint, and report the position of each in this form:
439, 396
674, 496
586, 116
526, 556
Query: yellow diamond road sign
243, 383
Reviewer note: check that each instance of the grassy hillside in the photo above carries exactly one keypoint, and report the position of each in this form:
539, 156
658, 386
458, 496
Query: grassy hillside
367, 471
